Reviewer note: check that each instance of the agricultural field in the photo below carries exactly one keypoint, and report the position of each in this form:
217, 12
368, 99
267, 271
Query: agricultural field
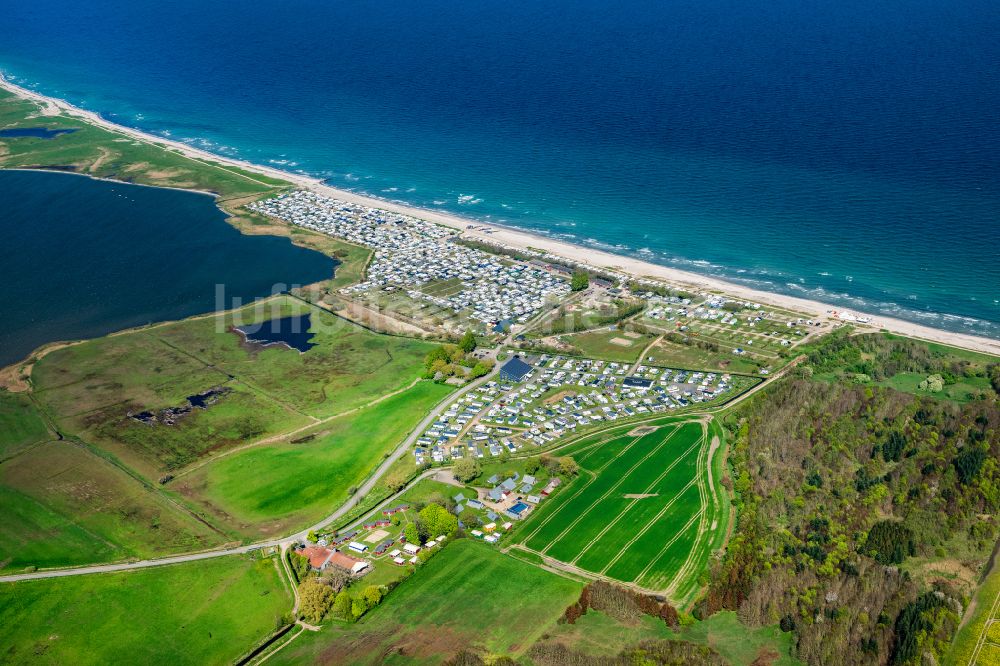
468, 595
65, 506
90, 388
645, 509
268, 489
206, 612
977, 642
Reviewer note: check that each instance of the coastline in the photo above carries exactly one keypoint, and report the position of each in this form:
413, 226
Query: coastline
517, 238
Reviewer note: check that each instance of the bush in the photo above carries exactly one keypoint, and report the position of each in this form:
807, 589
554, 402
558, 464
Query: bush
466, 469
315, 600
342, 605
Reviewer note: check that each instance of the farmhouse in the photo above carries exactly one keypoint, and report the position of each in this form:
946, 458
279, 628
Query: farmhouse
321, 558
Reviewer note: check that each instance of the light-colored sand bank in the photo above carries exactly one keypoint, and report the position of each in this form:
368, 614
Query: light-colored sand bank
524, 240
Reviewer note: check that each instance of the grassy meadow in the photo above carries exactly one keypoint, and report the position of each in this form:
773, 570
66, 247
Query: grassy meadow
598, 344
270, 488
206, 612
63, 506
105, 492
21, 426
677, 355
468, 595
597, 634
89, 388
107, 154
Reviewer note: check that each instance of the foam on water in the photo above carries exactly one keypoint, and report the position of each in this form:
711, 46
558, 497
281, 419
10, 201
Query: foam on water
842, 151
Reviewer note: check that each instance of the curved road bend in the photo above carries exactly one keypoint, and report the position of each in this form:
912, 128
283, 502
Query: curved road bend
363, 490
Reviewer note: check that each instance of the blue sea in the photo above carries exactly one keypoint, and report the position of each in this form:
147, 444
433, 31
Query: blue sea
846, 151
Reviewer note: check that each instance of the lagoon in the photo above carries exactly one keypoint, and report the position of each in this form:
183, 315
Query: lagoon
839, 151
82, 258
33, 132
291, 332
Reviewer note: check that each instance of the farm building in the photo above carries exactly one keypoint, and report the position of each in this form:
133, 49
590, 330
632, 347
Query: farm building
320, 558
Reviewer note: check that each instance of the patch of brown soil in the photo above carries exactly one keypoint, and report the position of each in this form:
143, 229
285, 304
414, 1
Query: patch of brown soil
376, 320
393, 641
343, 650
165, 174
427, 642
559, 396
13, 378
641, 430
765, 657
102, 159
640, 495
950, 570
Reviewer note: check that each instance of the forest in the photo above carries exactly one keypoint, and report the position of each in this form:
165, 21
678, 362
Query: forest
866, 515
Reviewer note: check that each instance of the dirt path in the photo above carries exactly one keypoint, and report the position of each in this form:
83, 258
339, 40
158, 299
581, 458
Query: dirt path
642, 356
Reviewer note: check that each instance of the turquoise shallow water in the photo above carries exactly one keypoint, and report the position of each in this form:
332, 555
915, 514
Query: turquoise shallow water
841, 151
82, 258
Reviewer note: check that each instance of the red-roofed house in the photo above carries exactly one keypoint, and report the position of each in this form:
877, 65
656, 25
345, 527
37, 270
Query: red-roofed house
320, 558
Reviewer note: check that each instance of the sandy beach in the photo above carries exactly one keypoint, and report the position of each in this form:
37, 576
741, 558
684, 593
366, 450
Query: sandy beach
520, 239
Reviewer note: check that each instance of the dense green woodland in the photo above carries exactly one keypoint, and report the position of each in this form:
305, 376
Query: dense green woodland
853, 498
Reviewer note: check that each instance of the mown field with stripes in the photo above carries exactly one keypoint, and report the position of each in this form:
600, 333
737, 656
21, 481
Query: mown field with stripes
645, 509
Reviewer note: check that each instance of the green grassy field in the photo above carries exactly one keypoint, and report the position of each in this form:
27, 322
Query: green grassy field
89, 388
468, 595
598, 344
642, 510
965, 389
207, 612
273, 487
676, 355
597, 634
107, 154
972, 644
64, 506
20, 424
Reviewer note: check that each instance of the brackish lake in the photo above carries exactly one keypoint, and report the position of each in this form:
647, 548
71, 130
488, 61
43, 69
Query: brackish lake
292, 332
82, 258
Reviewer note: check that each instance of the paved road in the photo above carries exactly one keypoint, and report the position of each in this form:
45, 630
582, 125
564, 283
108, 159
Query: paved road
365, 488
